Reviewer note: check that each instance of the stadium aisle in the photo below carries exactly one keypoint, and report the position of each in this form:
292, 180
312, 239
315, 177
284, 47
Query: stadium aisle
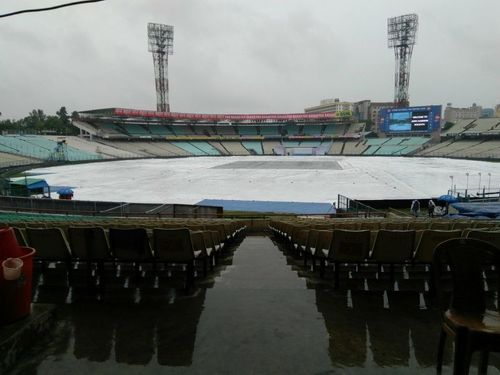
259, 313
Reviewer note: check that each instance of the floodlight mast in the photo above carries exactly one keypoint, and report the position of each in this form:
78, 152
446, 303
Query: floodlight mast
161, 44
402, 36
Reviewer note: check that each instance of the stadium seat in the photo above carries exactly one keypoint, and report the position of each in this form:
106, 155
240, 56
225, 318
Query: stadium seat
429, 240
50, 244
348, 246
130, 245
176, 246
465, 318
393, 247
89, 243
488, 236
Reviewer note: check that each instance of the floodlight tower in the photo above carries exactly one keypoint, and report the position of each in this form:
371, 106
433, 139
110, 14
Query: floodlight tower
161, 44
402, 35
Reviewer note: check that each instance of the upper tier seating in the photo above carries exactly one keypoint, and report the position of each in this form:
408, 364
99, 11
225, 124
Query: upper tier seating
247, 130
269, 130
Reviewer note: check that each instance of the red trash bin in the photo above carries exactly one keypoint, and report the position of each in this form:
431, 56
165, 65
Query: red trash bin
15, 295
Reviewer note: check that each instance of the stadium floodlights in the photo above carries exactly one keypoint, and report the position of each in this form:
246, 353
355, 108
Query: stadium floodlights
402, 30
161, 38
161, 44
402, 36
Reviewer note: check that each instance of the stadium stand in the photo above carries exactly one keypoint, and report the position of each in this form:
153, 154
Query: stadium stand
270, 130
354, 148
197, 148
111, 130
334, 130
247, 130
394, 145
204, 130
235, 148
355, 128
138, 149
254, 147
97, 147
136, 130
290, 144
219, 147
9, 160
459, 127
225, 130
181, 130
269, 147
482, 125
310, 144
314, 130
40, 147
206, 147
336, 148
292, 129
159, 130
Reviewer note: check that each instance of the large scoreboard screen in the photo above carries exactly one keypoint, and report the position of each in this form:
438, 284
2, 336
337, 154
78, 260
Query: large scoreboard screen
411, 119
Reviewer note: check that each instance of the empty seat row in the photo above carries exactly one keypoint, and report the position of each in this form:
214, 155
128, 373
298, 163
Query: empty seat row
95, 245
340, 246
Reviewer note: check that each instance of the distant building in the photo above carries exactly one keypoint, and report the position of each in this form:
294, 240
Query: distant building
331, 105
374, 110
452, 114
487, 113
364, 110
497, 110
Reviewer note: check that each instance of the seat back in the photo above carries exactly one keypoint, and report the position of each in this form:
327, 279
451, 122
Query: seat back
393, 246
324, 240
467, 258
130, 244
89, 243
346, 225
350, 245
173, 245
429, 240
21, 238
441, 225
488, 236
312, 239
389, 225
49, 243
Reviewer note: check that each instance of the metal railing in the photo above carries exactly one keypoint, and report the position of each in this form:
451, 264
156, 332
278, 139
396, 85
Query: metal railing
351, 207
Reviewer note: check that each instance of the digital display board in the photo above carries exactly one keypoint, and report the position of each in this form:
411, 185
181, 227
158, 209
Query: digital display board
425, 119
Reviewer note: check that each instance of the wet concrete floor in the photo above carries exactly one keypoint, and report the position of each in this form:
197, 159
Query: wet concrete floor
259, 312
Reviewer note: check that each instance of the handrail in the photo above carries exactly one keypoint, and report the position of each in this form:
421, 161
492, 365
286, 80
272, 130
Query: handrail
114, 208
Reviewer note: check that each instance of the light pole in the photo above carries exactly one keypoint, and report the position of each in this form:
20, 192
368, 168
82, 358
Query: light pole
489, 181
467, 185
479, 186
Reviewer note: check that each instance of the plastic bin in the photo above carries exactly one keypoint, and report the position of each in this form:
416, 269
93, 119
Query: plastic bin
15, 294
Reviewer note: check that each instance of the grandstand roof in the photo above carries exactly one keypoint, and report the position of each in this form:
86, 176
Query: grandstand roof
137, 113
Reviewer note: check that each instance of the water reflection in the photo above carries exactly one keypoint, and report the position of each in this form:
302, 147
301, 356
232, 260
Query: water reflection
261, 312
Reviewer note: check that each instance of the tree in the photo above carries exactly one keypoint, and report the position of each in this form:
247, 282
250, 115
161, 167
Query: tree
35, 119
63, 116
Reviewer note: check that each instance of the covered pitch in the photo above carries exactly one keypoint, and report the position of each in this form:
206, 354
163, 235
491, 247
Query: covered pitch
317, 179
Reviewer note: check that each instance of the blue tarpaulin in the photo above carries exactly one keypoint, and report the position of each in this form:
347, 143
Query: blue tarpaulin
488, 209
448, 198
302, 208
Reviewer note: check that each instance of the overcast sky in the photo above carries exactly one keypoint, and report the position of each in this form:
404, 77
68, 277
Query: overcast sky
244, 56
